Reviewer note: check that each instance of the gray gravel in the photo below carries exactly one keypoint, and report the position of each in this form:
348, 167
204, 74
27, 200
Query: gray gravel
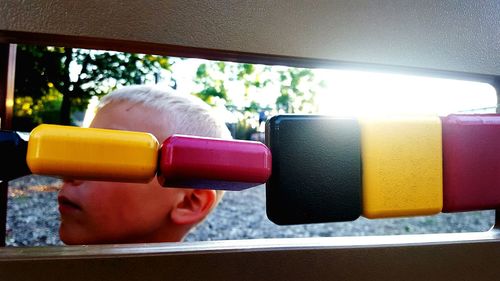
33, 219
242, 215
32, 216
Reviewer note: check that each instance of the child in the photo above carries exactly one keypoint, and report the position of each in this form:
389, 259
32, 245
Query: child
95, 212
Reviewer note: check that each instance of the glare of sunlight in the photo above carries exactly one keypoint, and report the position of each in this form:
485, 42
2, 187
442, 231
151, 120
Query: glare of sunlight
355, 93
90, 112
74, 71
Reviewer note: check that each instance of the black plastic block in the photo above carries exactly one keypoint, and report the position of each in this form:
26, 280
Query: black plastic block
316, 169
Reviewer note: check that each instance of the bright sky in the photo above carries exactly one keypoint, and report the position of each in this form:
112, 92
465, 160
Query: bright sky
356, 93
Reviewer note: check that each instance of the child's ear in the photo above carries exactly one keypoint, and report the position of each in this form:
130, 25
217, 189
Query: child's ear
194, 207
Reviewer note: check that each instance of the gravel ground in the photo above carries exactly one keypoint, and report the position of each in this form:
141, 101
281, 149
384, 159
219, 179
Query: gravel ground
33, 219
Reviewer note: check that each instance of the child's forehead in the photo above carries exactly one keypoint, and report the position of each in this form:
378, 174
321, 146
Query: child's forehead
124, 106
132, 116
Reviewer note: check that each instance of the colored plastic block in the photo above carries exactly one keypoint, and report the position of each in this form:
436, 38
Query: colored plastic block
402, 166
197, 162
92, 154
13, 146
471, 158
316, 169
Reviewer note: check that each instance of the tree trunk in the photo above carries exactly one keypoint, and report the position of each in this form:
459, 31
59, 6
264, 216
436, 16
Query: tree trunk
65, 113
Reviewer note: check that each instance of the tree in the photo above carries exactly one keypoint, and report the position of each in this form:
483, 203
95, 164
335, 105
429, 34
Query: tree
213, 86
51, 82
297, 90
294, 90
77, 75
297, 86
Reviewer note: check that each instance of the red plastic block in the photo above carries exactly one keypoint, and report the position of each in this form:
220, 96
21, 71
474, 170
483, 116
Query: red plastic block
197, 162
471, 162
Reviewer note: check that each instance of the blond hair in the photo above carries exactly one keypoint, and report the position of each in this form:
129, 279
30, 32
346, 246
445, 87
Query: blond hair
182, 113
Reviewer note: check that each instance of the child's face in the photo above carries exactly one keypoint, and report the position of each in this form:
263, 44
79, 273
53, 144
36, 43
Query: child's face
110, 212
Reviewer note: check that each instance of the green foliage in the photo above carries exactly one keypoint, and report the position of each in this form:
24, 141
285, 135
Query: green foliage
253, 107
244, 129
213, 86
51, 82
295, 98
297, 90
46, 108
77, 74
214, 77
209, 93
36, 67
297, 85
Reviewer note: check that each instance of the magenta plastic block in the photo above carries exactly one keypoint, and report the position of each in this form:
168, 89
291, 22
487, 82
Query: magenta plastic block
471, 162
197, 162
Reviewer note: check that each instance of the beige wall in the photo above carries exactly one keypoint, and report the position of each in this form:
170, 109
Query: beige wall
450, 35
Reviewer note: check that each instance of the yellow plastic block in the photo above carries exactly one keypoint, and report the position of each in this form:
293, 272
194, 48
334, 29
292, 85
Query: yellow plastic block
402, 166
92, 154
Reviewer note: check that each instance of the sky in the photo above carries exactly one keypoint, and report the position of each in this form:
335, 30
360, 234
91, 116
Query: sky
355, 93
358, 93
